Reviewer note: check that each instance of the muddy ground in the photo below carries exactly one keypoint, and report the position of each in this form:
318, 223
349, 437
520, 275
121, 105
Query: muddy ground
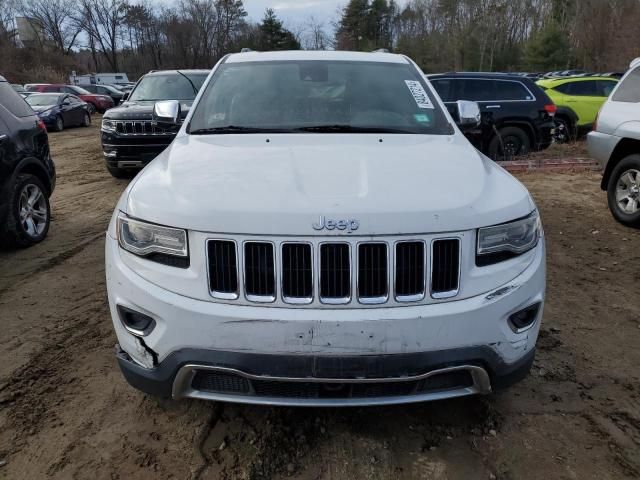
66, 412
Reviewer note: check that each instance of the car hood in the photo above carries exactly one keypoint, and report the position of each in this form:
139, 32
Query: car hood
282, 184
141, 110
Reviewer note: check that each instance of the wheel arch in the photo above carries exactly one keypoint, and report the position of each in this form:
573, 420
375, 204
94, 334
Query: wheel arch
624, 148
33, 167
567, 112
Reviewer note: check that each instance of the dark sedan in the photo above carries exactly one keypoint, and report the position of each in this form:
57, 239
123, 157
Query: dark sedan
114, 93
60, 110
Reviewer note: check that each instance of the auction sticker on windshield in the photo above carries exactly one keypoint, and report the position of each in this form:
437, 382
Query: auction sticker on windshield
419, 94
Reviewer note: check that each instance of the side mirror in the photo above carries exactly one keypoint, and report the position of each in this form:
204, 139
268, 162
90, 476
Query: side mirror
125, 95
167, 111
468, 114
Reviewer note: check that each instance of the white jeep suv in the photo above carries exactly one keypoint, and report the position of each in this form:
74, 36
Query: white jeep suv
321, 233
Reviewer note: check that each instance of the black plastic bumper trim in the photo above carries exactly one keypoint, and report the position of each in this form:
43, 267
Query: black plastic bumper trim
159, 381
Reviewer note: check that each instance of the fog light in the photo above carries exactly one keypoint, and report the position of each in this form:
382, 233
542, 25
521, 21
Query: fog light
523, 319
135, 322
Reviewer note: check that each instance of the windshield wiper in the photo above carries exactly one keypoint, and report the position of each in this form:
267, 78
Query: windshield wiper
235, 129
195, 90
345, 128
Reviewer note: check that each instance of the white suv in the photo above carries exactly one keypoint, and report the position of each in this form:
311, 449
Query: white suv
321, 233
615, 143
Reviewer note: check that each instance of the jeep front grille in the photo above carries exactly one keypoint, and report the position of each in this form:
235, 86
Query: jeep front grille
341, 272
142, 127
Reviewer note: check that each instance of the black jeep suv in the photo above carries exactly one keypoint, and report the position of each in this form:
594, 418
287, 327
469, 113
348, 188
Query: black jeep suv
517, 116
27, 172
130, 139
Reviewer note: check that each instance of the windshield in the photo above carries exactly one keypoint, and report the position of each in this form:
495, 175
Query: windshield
40, 100
168, 87
318, 96
79, 91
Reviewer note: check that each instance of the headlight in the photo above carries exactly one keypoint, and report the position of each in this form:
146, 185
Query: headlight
508, 240
108, 125
162, 244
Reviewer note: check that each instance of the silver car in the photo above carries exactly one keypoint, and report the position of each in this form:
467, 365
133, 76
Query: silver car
615, 144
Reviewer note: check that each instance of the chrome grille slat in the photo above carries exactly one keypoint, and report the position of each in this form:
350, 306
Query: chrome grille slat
259, 272
335, 273
223, 268
373, 272
410, 271
297, 273
445, 269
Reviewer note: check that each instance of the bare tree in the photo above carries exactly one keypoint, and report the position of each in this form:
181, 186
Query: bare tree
314, 35
102, 20
55, 19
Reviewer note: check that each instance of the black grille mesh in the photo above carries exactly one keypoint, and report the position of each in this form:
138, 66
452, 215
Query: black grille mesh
335, 271
372, 270
410, 277
297, 275
259, 269
445, 266
223, 266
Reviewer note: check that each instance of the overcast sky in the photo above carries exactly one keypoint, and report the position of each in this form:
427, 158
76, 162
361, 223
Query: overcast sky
297, 11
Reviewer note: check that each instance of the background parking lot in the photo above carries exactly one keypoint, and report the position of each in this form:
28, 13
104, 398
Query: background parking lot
66, 411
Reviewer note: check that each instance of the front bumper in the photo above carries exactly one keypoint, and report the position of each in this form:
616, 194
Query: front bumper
313, 348
132, 151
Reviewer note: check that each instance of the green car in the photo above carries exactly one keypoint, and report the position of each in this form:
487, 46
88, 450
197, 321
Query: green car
578, 100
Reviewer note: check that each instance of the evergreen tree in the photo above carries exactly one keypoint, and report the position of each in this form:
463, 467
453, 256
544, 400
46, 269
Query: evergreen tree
549, 49
273, 36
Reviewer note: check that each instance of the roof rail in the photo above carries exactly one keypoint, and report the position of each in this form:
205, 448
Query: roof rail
634, 62
245, 50
380, 50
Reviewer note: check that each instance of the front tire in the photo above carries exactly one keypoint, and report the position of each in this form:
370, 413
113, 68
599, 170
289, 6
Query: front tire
92, 108
86, 120
29, 214
510, 142
623, 191
565, 130
58, 126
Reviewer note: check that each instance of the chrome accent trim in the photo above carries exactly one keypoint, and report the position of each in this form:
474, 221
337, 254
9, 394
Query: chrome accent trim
261, 298
298, 300
213, 293
332, 300
184, 378
426, 276
450, 293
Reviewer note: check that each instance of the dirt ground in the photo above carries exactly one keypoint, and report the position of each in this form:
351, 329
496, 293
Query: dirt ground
66, 411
